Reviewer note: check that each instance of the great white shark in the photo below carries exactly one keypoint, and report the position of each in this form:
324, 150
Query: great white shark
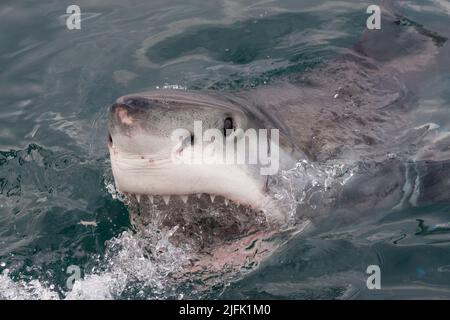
353, 112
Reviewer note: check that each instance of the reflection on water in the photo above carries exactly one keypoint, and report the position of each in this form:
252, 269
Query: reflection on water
54, 168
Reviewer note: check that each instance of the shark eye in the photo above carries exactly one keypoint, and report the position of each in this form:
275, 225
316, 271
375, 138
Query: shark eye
227, 125
189, 140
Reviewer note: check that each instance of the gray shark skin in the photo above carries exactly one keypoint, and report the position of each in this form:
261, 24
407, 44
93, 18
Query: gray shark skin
354, 112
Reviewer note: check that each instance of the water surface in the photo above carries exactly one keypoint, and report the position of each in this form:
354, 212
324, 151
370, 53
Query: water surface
56, 84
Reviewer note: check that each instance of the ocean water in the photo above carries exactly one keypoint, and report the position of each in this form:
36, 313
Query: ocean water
58, 206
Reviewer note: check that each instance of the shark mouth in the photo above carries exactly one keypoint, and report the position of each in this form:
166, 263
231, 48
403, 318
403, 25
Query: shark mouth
216, 234
200, 221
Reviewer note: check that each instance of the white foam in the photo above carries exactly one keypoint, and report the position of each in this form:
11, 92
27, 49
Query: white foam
22, 290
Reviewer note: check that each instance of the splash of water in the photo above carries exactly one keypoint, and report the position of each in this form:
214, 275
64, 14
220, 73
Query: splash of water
308, 188
128, 267
23, 290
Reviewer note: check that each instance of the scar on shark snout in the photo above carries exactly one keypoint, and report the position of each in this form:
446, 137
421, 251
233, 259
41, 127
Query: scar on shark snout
122, 115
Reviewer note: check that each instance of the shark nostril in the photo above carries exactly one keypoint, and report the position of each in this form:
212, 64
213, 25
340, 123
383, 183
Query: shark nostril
110, 139
192, 139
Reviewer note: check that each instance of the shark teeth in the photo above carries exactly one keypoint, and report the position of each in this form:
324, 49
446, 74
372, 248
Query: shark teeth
184, 198
166, 199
